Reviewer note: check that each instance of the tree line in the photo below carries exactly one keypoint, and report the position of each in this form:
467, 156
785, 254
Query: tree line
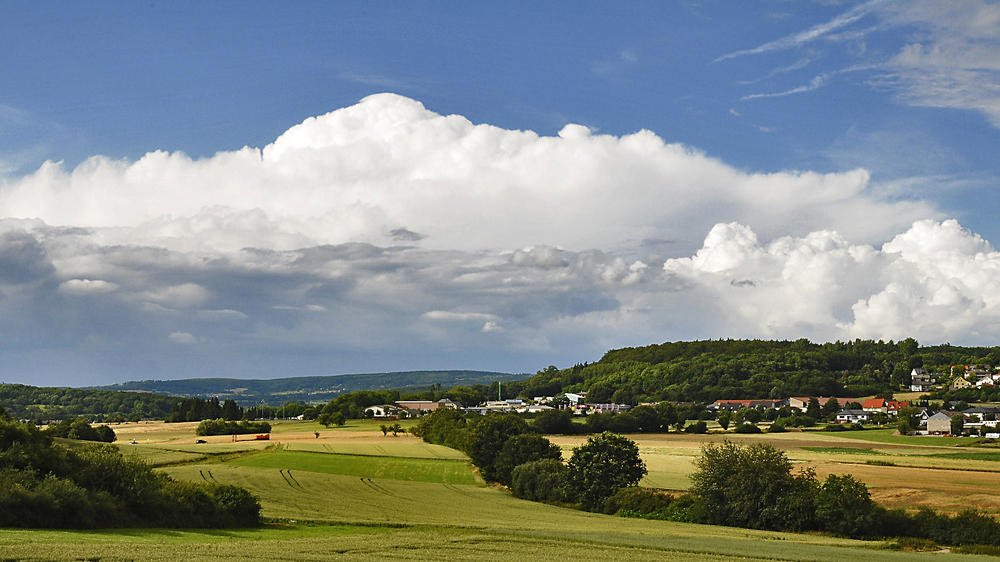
198, 409
47, 485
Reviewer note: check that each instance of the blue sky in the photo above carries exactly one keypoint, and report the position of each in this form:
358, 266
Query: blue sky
721, 145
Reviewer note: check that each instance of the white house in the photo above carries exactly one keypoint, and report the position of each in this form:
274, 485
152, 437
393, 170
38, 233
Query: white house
384, 411
853, 416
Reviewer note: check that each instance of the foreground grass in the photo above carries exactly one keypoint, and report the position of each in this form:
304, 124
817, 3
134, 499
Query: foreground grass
348, 542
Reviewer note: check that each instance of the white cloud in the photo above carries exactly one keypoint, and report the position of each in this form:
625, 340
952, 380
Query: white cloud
936, 281
183, 338
448, 316
946, 54
185, 295
813, 33
387, 169
87, 287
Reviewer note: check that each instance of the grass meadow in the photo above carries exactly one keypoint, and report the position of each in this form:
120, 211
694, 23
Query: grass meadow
354, 494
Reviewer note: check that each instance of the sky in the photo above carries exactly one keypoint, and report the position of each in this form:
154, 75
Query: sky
262, 190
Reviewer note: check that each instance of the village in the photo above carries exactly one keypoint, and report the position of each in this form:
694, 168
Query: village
922, 417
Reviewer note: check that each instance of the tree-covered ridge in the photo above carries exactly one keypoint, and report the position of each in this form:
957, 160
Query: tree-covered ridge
315, 389
39, 404
705, 371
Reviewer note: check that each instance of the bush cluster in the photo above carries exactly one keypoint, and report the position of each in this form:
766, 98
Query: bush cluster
80, 429
46, 485
753, 487
653, 504
505, 450
223, 427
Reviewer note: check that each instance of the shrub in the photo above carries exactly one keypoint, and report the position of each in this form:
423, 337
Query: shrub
541, 481
747, 428
443, 426
699, 428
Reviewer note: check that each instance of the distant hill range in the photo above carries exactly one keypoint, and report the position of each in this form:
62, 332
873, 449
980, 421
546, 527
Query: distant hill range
248, 392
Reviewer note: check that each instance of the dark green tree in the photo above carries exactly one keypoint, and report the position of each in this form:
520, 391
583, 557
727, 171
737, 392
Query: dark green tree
668, 414
813, 410
957, 424
527, 447
603, 465
752, 487
830, 409
552, 422
486, 438
844, 507
540, 481
724, 417
231, 411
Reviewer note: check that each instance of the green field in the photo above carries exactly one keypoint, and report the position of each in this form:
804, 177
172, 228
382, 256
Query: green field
393, 468
388, 448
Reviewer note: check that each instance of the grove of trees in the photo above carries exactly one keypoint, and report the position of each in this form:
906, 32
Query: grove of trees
506, 450
47, 485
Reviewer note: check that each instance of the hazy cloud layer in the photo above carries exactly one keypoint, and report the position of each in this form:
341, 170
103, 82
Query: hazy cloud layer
384, 236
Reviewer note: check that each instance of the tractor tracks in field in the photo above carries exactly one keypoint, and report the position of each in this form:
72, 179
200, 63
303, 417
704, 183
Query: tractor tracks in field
368, 482
206, 475
286, 475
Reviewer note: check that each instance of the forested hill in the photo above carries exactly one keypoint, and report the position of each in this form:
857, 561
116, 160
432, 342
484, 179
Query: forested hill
705, 371
39, 404
249, 392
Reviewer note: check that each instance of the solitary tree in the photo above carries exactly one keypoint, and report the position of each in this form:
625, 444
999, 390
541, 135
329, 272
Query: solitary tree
603, 465
830, 409
957, 424
813, 410
724, 417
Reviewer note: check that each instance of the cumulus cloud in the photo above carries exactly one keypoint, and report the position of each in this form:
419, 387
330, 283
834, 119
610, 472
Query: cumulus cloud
388, 170
936, 281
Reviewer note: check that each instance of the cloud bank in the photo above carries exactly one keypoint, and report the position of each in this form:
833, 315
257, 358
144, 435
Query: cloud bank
384, 236
388, 170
